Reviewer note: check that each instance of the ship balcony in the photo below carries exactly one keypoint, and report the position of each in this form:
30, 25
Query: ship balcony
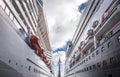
88, 44
112, 19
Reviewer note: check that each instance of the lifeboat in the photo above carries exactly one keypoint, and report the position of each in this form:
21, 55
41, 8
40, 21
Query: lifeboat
40, 53
35, 45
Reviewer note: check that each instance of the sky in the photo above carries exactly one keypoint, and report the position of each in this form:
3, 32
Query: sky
62, 17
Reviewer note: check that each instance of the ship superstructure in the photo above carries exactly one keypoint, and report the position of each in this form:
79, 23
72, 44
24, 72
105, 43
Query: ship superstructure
95, 48
17, 58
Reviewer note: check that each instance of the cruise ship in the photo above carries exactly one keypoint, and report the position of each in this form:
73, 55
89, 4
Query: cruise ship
17, 57
95, 47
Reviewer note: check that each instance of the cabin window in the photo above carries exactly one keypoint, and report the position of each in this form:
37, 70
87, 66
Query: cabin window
98, 64
111, 60
87, 68
118, 58
104, 62
9, 61
102, 49
110, 44
29, 68
94, 66
89, 57
93, 55
90, 67
86, 59
84, 69
97, 52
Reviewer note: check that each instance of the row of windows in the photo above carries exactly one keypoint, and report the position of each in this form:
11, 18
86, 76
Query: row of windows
11, 16
104, 63
109, 44
29, 68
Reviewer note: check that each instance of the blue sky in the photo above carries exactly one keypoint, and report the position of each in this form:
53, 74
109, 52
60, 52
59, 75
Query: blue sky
62, 18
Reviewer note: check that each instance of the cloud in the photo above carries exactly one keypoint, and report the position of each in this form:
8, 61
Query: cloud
62, 17
58, 55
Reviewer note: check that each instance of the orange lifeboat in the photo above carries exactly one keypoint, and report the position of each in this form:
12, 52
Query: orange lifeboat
35, 45
40, 52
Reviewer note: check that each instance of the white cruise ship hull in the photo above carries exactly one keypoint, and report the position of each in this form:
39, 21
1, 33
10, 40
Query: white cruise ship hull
17, 59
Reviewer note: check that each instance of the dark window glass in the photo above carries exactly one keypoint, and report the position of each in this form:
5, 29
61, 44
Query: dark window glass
118, 58
97, 52
29, 68
90, 67
87, 68
93, 55
104, 62
111, 60
110, 44
98, 64
102, 49
89, 57
94, 66
86, 59
9, 61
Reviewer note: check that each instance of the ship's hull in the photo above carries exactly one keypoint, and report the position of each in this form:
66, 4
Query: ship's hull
102, 64
103, 59
17, 59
